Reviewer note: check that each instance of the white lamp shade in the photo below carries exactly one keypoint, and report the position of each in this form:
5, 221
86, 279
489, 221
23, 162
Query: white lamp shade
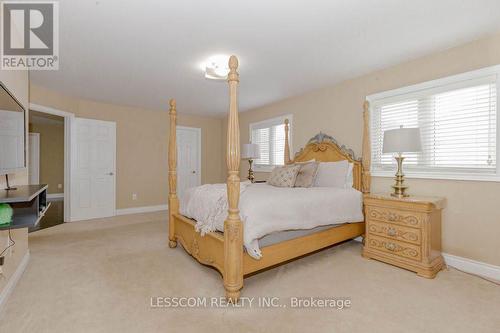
250, 151
402, 140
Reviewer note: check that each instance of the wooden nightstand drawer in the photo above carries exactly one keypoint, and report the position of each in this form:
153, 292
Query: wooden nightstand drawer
396, 232
395, 247
401, 217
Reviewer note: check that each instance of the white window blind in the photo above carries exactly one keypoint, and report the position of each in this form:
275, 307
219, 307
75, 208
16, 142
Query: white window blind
458, 125
270, 136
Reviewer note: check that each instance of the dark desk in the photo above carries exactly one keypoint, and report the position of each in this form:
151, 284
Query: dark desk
29, 203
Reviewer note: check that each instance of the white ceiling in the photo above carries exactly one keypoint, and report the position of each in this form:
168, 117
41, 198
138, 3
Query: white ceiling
141, 53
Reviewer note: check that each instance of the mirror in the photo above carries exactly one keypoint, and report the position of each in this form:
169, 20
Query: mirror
12, 133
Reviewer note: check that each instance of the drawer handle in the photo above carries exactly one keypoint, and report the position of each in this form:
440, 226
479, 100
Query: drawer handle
391, 232
390, 246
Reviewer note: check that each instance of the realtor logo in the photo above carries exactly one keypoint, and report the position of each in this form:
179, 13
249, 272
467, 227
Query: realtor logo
30, 35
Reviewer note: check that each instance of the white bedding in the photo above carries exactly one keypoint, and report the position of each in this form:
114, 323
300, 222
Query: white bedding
265, 209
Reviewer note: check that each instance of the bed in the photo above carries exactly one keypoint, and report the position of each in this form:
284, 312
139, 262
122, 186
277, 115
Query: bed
300, 209
225, 251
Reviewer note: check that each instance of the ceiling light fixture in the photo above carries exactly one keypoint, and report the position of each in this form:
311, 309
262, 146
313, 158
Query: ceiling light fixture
216, 67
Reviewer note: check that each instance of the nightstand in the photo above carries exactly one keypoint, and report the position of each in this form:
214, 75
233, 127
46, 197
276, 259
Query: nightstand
404, 232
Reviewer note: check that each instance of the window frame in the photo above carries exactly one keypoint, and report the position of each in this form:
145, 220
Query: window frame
274, 120
434, 84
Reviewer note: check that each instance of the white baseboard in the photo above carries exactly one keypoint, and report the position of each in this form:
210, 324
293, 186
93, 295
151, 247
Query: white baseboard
468, 265
55, 196
138, 210
14, 279
472, 266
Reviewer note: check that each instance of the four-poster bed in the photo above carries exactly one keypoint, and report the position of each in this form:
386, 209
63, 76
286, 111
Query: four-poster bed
225, 251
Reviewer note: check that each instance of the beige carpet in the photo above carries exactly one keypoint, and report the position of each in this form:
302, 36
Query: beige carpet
99, 276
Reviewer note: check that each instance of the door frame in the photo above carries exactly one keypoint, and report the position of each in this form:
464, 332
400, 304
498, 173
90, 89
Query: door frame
69, 141
37, 136
197, 130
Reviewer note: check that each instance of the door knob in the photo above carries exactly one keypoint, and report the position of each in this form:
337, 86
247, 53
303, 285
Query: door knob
193, 172
110, 174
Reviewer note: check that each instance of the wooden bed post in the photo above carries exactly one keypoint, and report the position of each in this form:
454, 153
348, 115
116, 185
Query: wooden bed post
367, 151
287, 144
233, 228
173, 201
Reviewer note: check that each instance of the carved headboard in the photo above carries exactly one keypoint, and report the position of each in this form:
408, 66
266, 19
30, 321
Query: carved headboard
324, 148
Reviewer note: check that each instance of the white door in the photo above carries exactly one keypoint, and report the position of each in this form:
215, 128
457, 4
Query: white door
188, 158
93, 169
34, 158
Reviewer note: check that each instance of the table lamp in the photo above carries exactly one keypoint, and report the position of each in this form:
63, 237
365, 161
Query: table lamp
399, 141
250, 151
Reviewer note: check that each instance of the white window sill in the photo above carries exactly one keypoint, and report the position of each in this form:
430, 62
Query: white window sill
440, 176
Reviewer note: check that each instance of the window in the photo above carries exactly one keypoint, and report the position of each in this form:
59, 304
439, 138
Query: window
457, 117
270, 136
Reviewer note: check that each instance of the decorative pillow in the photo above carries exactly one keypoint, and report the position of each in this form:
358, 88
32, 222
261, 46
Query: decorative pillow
284, 176
332, 174
307, 174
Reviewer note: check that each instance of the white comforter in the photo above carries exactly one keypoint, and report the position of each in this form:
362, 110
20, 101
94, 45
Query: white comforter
265, 209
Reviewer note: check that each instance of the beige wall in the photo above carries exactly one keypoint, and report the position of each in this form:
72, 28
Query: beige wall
18, 84
471, 224
142, 145
51, 152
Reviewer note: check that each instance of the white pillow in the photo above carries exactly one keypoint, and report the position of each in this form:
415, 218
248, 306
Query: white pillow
349, 180
332, 174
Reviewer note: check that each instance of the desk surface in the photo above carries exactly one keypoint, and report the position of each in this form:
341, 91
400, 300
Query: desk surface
23, 193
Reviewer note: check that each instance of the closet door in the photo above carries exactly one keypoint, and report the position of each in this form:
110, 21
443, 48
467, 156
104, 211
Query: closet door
188, 158
93, 192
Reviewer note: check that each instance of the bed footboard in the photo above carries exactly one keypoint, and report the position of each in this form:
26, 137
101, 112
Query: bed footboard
208, 249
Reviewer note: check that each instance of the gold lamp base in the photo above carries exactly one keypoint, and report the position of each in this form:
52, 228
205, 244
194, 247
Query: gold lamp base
251, 176
399, 187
